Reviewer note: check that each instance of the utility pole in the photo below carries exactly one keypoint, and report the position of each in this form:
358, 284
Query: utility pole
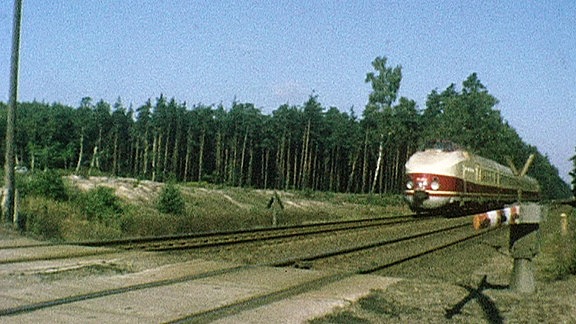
9, 177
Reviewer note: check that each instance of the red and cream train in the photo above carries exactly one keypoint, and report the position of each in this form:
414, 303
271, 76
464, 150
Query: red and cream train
445, 176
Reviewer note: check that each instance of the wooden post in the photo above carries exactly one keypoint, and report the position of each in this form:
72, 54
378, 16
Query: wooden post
564, 224
9, 164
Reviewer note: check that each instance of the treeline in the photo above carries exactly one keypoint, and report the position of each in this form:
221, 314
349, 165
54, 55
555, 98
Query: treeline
305, 147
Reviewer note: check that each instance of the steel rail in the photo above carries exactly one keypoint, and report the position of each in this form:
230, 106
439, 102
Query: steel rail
265, 299
199, 240
362, 247
212, 239
250, 303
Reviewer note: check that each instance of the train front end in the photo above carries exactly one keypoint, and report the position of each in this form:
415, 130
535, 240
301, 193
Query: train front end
432, 180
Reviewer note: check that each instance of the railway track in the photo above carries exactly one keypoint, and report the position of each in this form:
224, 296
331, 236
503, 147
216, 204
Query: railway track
213, 239
398, 256
369, 247
397, 259
27, 252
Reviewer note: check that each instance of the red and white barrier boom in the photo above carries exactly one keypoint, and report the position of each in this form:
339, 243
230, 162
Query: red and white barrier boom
506, 216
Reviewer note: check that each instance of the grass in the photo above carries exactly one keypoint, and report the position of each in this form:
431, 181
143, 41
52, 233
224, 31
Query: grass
106, 211
215, 208
555, 263
557, 258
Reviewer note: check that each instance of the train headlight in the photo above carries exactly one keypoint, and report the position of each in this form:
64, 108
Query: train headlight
409, 185
435, 184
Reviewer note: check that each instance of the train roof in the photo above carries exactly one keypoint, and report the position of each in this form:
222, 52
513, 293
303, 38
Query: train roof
442, 145
442, 155
435, 161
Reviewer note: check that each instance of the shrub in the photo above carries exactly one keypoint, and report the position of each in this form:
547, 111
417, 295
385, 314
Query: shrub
171, 200
100, 204
47, 184
44, 217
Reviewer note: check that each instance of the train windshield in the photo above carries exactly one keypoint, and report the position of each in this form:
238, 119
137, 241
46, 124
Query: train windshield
442, 145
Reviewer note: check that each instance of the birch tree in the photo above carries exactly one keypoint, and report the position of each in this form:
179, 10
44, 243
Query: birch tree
385, 84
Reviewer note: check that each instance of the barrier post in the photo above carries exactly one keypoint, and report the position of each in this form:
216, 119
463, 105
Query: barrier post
524, 246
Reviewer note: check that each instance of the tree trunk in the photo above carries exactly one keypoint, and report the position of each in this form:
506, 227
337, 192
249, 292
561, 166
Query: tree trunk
378, 163
365, 164
304, 157
232, 161
351, 180
313, 168
115, 154
281, 163
154, 156
396, 169
165, 164
33, 162
135, 165
81, 151
242, 158
219, 164
250, 164
96, 156
146, 154
176, 152
332, 169
93, 162
265, 167
288, 177
188, 155
201, 155
295, 171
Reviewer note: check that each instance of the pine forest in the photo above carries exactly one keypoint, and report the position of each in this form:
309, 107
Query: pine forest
296, 147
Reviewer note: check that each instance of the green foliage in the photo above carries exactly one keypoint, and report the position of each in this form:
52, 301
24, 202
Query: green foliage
469, 118
306, 146
88, 216
82, 230
557, 258
98, 214
385, 84
147, 222
101, 204
47, 184
44, 217
171, 200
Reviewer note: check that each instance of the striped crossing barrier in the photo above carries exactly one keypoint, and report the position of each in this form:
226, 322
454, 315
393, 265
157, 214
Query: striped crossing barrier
506, 216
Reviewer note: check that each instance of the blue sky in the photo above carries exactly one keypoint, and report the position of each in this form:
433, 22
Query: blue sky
275, 52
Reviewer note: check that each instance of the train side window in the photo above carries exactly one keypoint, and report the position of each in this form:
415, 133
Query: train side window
505, 181
478, 173
487, 176
491, 176
467, 173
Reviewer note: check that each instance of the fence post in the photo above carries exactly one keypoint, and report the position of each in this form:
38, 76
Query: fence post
564, 224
